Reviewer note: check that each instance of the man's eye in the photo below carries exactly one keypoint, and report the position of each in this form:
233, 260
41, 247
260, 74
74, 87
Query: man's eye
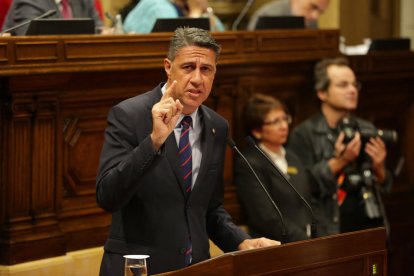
207, 70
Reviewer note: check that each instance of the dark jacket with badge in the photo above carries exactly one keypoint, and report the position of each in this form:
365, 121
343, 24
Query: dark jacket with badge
313, 141
261, 217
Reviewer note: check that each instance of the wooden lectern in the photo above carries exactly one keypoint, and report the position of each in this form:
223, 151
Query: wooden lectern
355, 253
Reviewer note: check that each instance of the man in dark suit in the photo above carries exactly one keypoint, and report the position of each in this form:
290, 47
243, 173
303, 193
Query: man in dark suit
141, 180
23, 10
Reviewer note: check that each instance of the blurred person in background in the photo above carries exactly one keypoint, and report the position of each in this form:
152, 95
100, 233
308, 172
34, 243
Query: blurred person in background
126, 9
345, 170
4, 8
309, 9
268, 122
142, 18
99, 9
23, 10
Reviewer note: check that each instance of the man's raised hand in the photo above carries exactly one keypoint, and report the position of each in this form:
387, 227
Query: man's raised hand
165, 115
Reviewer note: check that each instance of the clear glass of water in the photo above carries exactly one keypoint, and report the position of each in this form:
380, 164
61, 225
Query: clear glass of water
135, 265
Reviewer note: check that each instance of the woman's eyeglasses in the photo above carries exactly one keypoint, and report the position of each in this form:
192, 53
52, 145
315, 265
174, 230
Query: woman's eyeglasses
286, 119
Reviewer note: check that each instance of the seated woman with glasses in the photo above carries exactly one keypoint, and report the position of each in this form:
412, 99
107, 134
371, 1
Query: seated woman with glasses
268, 122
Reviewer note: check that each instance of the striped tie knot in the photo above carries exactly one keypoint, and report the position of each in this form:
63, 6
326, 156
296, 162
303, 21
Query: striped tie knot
187, 121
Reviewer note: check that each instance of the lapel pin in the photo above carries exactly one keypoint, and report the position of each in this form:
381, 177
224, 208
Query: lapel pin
213, 130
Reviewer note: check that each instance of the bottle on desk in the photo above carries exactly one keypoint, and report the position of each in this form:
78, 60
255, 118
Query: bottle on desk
118, 27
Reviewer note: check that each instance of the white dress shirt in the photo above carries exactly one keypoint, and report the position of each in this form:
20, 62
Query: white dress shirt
195, 139
279, 159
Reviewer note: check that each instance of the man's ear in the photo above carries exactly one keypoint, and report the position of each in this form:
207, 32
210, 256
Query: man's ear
167, 67
322, 95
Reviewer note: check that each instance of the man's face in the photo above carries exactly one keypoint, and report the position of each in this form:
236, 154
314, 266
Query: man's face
194, 69
310, 9
342, 93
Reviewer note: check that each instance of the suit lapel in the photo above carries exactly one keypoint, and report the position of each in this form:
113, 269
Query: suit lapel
171, 151
207, 143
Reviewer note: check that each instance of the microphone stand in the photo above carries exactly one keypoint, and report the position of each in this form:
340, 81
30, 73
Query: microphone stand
314, 223
242, 14
384, 216
232, 145
46, 14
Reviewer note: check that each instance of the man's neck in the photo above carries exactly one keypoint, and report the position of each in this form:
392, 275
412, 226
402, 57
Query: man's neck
333, 116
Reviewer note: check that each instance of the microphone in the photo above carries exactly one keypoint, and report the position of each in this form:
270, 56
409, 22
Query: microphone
242, 14
110, 17
252, 143
232, 145
44, 15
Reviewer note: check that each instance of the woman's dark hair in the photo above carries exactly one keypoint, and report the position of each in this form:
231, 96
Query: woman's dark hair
256, 109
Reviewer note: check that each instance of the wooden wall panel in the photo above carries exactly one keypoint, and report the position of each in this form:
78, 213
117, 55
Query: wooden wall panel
20, 164
43, 165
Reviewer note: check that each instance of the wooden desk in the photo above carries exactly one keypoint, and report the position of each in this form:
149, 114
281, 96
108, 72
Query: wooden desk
357, 253
56, 92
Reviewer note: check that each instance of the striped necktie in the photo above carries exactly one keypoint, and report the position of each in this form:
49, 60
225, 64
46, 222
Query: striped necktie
185, 153
66, 9
185, 157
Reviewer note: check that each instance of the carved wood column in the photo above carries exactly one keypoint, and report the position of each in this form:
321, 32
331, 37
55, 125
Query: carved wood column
28, 175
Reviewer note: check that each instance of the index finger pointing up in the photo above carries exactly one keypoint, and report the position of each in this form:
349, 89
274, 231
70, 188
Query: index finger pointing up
169, 92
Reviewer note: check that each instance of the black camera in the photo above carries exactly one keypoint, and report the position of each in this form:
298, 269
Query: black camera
350, 126
358, 173
359, 177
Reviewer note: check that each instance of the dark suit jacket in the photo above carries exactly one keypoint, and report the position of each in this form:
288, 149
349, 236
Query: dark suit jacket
23, 10
261, 217
144, 191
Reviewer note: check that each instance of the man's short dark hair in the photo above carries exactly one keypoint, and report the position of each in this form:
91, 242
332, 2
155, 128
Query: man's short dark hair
185, 36
322, 80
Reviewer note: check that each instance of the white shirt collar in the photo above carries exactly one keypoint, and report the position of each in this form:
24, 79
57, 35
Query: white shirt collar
273, 154
279, 159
